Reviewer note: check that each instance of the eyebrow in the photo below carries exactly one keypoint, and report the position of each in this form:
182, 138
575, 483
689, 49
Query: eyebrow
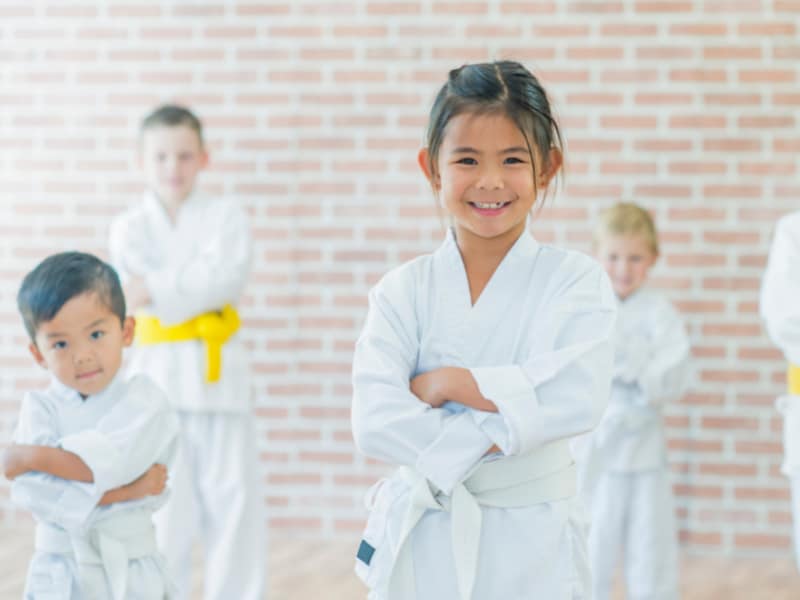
470, 150
95, 323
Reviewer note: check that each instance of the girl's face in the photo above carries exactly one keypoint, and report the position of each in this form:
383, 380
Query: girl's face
484, 177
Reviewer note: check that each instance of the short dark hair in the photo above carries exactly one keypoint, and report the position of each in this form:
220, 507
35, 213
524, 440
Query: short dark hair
172, 115
504, 87
61, 277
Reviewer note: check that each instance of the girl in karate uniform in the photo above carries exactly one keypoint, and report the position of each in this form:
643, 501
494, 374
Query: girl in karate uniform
478, 363
780, 310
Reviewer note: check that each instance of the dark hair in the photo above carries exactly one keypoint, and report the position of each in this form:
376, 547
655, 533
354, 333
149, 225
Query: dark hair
503, 87
61, 277
172, 115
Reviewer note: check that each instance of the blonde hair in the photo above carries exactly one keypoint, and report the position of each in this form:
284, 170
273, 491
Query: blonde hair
626, 218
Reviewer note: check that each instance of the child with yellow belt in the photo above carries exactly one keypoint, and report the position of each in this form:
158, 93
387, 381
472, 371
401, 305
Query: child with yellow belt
184, 259
781, 313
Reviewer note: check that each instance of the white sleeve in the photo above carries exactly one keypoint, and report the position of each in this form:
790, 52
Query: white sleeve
210, 279
137, 432
562, 389
665, 374
389, 422
780, 291
49, 498
128, 245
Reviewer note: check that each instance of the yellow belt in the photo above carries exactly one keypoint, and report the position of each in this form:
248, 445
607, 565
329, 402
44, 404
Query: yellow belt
214, 328
793, 380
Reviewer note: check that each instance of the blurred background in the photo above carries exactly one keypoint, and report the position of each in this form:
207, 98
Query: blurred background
314, 112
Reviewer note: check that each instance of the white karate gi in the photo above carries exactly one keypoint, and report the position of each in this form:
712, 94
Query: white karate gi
119, 433
200, 264
780, 309
625, 477
536, 342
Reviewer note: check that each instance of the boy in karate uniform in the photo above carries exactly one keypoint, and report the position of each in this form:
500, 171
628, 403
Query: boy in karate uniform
780, 310
184, 259
626, 479
89, 451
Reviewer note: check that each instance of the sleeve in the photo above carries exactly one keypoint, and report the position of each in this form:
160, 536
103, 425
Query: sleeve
389, 422
129, 246
780, 290
210, 279
48, 498
665, 375
562, 388
136, 433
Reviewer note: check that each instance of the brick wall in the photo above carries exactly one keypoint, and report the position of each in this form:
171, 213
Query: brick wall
314, 112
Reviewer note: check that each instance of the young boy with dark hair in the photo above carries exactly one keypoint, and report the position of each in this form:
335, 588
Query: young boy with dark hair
89, 453
184, 259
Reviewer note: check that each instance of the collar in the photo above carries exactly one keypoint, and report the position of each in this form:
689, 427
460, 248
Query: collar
68, 394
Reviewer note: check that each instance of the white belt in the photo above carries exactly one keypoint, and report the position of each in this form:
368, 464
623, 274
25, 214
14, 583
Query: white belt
110, 544
545, 475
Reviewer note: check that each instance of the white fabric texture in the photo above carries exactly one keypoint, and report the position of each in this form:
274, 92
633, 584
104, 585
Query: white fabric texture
199, 264
633, 519
216, 497
119, 433
623, 464
651, 368
537, 344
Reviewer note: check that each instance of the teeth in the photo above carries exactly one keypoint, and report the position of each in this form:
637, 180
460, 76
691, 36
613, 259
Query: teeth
489, 205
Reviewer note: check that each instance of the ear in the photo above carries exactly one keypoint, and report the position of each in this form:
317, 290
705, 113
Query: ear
128, 329
424, 161
37, 355
555, 163
204, 158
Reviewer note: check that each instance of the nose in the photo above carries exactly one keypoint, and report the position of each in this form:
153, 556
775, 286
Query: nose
81, 356
490, 178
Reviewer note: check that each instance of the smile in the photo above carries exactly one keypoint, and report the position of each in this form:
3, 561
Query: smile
489, 209
489, 205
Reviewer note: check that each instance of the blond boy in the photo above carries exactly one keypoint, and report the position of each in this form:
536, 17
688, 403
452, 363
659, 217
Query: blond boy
631, 501
184, 259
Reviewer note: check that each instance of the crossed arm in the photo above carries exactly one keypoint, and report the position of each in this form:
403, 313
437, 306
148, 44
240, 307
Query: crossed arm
23, 458
453, 384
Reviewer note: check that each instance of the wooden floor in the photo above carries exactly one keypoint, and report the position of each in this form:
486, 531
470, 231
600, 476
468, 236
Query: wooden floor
322, 570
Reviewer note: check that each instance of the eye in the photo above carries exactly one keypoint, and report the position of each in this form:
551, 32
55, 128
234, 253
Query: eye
467, 160
514, 160
184, 156
59, 345
96, 335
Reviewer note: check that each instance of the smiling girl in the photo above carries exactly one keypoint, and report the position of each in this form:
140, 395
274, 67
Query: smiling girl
478, 363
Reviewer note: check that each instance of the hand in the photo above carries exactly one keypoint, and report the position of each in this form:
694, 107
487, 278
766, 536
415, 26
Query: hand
15, 461
494, 448
427, 387
152, 483
136, 293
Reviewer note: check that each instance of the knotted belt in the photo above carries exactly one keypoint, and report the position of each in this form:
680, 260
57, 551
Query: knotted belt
110, 544
545, 475
214, 328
